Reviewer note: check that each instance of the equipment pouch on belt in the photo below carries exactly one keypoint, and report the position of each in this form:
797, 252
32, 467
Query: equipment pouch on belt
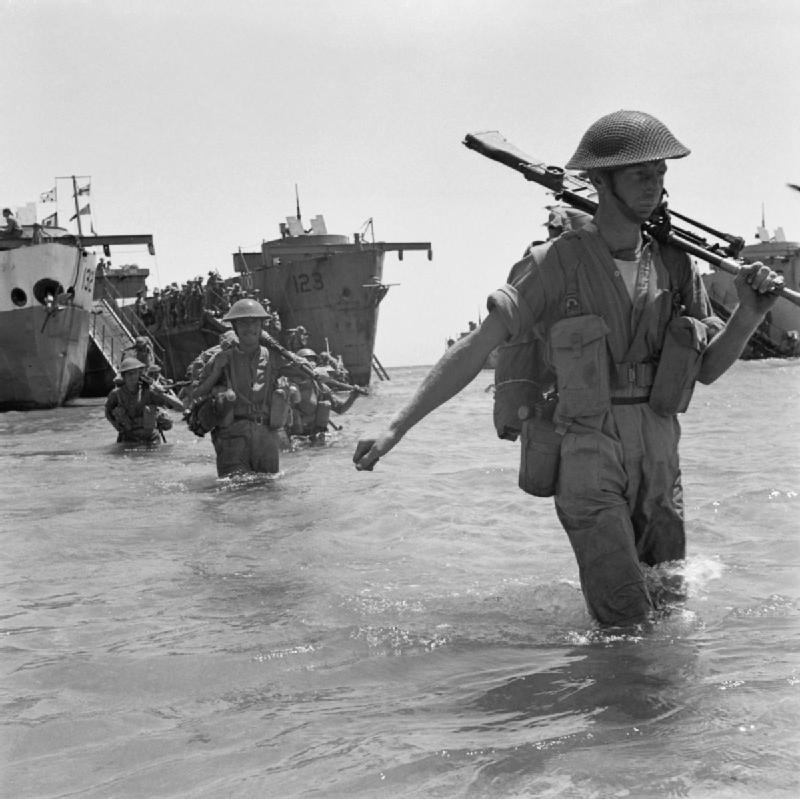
202, 418
163, 422
148, 419
579, 356
279, 409
684, 344
322, 416
540, 454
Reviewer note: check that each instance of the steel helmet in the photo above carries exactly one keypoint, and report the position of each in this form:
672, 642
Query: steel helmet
245, 309
624, 138
306, 352
129, 364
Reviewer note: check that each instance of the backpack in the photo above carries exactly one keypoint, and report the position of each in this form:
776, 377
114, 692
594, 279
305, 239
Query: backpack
522, 379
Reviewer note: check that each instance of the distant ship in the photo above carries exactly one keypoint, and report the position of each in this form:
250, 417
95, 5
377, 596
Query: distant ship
327, 284
779, 335
48, 313
44, 330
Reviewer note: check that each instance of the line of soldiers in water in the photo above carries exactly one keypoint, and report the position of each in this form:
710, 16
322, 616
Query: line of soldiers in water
252, 400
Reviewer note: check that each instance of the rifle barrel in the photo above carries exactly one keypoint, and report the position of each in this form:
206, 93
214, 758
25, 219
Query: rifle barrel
269, 341
568, 188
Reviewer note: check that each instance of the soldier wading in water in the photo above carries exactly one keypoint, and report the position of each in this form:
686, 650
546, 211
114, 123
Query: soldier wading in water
132, 406
626, 328
250, 413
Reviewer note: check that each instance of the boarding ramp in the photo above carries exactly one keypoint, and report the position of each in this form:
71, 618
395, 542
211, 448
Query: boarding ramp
109, 332
114, 329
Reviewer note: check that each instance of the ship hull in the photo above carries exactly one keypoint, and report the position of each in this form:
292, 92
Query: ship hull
181, 344
43, 342
332, 289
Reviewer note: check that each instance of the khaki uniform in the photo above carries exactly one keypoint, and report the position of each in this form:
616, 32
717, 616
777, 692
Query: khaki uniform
246, 443
134, 416
619, 494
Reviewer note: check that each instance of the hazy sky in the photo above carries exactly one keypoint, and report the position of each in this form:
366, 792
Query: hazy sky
196, 119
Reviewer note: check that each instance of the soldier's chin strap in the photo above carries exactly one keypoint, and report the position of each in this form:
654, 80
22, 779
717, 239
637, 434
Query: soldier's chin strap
623, 207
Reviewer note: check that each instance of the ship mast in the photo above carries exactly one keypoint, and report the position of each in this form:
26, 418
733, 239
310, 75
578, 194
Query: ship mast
77, 209
76, 192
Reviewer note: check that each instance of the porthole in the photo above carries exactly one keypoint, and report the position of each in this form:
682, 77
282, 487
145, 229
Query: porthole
19, 298
47, 287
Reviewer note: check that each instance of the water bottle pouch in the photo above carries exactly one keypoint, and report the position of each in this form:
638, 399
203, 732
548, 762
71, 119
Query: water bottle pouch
540, 456
323, 415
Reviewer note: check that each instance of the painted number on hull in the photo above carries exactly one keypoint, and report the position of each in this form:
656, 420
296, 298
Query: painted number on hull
303, 282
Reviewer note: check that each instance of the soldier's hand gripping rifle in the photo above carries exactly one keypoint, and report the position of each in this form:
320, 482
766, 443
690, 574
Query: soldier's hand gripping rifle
574, 190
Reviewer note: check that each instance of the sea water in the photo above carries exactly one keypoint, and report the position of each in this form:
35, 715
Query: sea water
416, 631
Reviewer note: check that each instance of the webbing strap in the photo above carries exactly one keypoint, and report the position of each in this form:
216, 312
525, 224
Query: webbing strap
572, 303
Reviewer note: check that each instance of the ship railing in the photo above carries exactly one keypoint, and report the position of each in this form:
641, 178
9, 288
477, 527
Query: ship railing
109, 331
401, 246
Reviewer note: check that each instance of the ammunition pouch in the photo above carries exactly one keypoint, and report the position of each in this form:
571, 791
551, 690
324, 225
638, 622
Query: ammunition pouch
279, 410
223, 410
684, 343
579, 356
122, 419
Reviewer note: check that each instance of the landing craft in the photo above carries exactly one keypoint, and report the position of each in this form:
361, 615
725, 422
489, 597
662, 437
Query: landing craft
47, 305
325, 283
328, 284
778, 335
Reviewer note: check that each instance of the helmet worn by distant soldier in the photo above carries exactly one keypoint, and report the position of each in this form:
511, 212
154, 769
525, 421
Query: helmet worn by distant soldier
306, 352
245, 309
566, 218
130, 364
625, 138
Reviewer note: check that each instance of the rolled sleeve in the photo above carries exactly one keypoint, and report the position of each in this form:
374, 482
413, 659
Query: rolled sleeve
503, 303
512, 309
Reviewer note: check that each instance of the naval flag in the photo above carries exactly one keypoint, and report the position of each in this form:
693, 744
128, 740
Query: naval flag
50, 221
48, 196
85, 210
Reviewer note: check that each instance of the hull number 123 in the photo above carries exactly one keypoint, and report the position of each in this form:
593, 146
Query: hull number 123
304, 282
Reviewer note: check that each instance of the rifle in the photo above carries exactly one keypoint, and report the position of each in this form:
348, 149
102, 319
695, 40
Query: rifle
302, 364
573, 189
